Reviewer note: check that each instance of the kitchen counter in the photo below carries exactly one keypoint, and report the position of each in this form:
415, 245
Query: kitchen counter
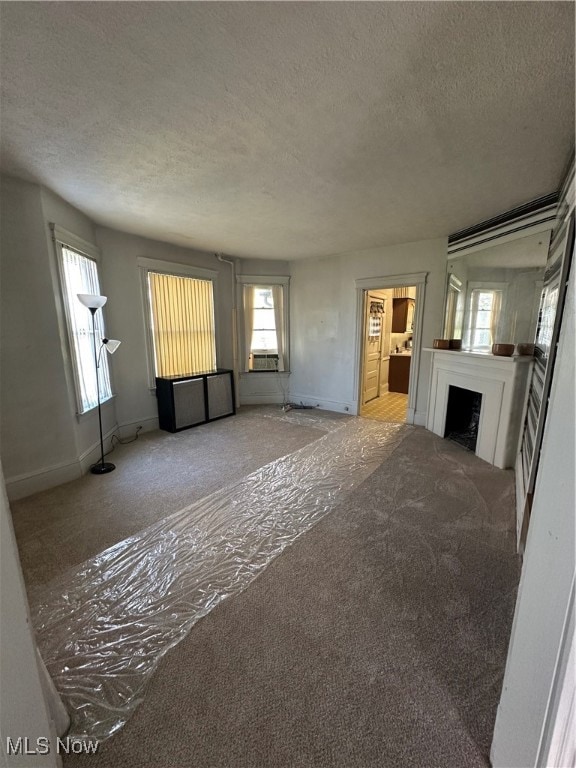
404, 353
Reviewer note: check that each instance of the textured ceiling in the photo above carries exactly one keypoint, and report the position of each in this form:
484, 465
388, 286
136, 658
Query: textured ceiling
285, 130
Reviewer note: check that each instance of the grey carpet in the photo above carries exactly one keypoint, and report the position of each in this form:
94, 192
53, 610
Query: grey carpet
158, 474
378, 639
103, 627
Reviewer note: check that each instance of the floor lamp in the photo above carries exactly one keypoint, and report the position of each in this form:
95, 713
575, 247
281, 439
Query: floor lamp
94, 303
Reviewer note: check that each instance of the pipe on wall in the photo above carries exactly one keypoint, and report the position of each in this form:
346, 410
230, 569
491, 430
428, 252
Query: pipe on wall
232, 264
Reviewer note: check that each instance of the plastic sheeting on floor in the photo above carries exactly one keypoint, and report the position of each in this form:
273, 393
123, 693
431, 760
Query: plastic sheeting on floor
103, 627
308, 418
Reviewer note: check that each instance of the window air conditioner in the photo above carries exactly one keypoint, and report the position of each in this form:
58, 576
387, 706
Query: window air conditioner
264, 362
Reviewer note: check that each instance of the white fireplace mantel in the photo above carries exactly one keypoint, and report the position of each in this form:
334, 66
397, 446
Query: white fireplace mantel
502, 382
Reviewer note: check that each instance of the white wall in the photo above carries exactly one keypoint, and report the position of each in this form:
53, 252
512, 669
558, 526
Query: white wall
23, 709
44, 442
135, 402
86, 431
547, 574
264, 388
37, 426
324, 329
275, 268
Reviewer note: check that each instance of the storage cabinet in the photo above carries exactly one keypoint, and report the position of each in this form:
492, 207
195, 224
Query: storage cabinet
186, 401
403, 315
399, 376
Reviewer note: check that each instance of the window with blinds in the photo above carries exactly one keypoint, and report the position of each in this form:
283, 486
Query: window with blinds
80, 275
182, 324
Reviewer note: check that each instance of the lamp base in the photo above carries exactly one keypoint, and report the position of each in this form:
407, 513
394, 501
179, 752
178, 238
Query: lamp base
102, 468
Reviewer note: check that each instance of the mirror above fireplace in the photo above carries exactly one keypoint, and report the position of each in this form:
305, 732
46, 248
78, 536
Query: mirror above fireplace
493, 295
494, 277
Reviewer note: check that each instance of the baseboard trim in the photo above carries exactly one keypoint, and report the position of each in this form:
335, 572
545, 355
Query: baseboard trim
20, 486
128, 428
92, 454
420, 418
339, 406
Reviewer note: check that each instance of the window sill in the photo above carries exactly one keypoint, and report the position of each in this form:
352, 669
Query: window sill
86, 414
282, 373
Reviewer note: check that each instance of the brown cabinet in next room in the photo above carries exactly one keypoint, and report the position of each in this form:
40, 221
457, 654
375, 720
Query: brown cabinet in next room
402, 315
399, 374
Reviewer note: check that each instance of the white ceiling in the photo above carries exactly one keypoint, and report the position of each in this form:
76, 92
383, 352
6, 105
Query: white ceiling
285, 130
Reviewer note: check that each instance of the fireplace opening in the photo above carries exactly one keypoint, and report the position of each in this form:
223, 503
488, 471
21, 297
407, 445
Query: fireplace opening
463, 416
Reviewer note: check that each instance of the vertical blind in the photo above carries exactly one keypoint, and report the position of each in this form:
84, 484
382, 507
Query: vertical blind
81, 276
182, 319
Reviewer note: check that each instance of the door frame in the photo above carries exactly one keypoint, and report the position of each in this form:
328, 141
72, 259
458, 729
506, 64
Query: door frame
365, 284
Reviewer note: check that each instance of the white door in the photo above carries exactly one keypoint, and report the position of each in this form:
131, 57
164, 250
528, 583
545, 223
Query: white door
373, 333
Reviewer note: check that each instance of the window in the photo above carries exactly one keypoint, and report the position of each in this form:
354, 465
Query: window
79, 274
485, 306
265, 324
181, 324
264, 337
454, 309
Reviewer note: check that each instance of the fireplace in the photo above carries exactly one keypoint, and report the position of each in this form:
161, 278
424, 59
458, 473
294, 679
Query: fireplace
492, 390
463, 416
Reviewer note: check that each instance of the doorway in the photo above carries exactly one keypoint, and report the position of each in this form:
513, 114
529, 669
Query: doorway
388, 335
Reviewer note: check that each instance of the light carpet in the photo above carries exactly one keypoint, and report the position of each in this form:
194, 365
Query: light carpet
378, 639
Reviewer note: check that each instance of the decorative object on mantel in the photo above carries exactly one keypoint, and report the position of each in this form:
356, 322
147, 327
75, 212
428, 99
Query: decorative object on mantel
503, 350
525, 349
441, 344
455, 343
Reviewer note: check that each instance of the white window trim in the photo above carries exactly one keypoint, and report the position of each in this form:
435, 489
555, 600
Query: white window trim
259, 280
62, 237
146, 265
453, 293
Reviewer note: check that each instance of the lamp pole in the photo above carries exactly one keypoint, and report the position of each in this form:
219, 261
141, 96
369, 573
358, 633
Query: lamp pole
94, 303
101, 467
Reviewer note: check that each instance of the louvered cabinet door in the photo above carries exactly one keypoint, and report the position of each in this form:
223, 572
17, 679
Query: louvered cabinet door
186, 401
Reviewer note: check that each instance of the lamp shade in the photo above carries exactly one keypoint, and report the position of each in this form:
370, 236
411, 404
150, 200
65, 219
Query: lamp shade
91, 301
111, 345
